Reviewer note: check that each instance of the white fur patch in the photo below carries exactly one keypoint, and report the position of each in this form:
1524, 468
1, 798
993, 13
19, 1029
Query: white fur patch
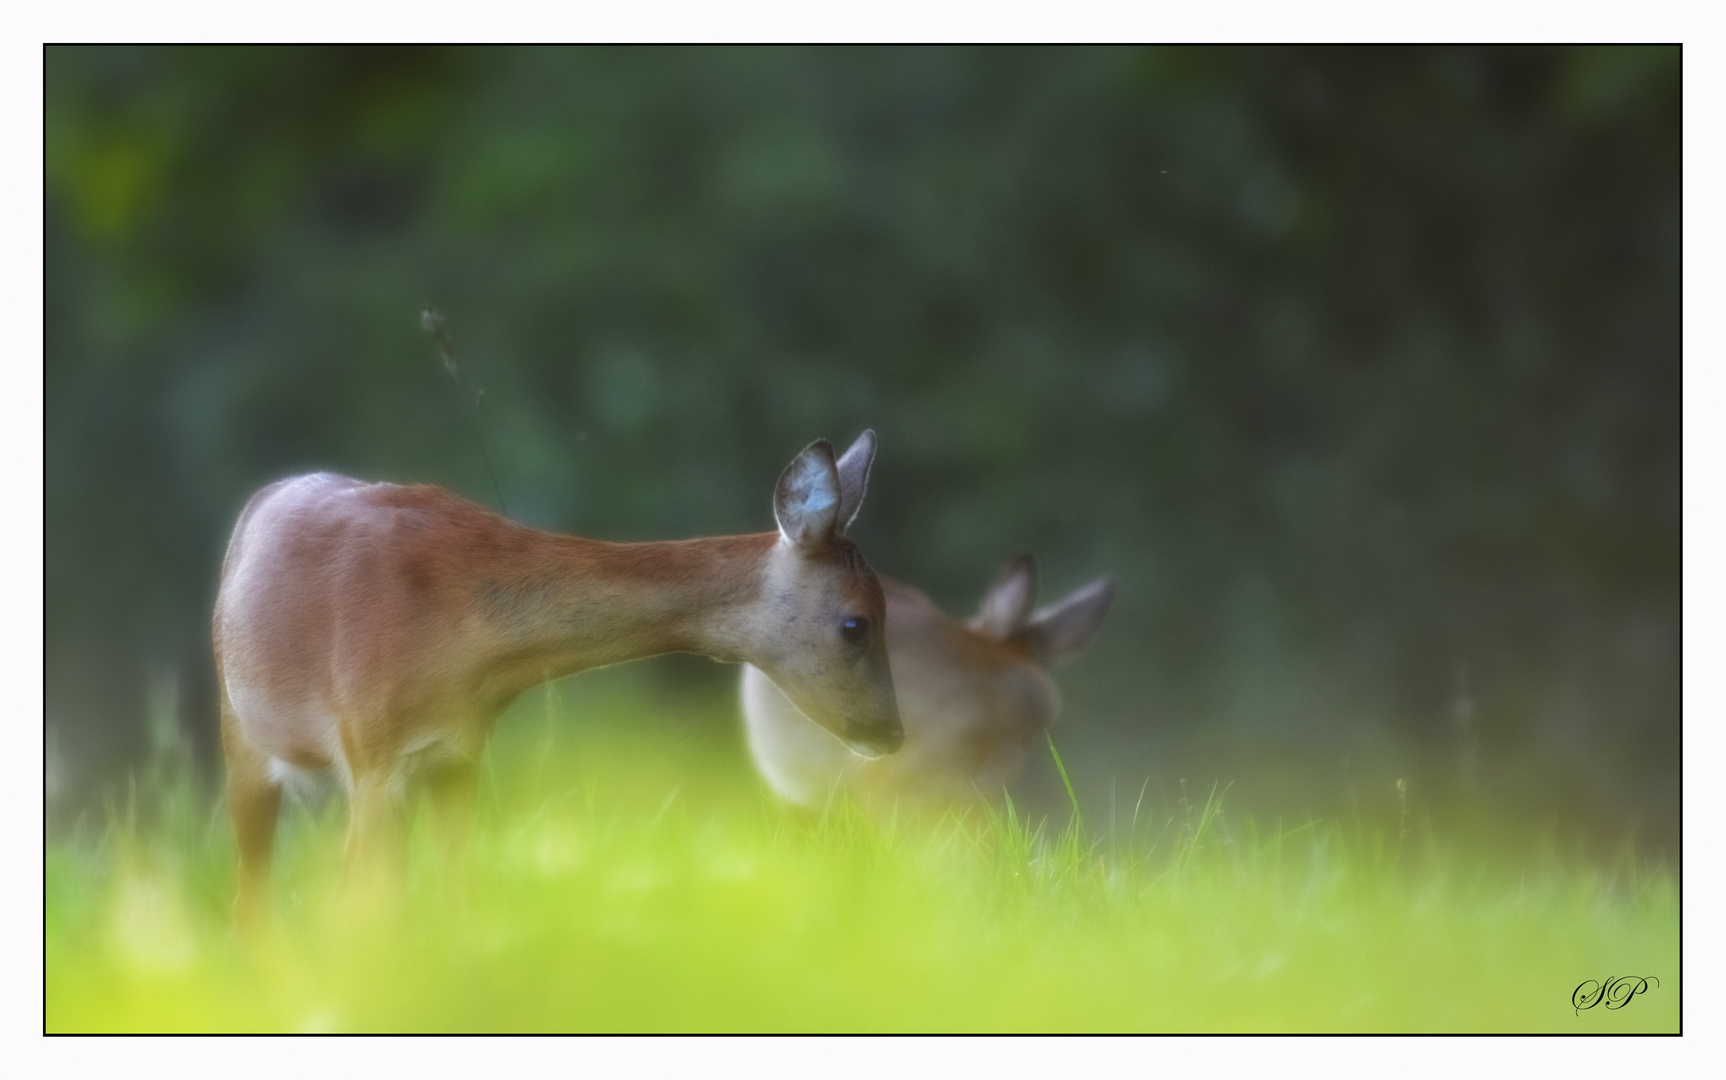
301, 779
309, 788
261, 716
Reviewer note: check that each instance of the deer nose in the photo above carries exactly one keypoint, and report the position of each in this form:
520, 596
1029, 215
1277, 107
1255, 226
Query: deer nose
877, 742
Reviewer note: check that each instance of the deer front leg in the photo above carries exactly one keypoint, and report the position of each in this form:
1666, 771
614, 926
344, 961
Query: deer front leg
376, 854
452, 792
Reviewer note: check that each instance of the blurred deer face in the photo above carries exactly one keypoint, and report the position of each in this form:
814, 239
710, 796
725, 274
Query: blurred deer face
978, 706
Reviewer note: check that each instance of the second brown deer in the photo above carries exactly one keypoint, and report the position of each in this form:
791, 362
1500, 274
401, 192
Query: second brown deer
974, 698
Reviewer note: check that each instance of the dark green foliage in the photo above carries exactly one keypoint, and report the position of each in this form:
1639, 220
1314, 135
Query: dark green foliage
1358, 368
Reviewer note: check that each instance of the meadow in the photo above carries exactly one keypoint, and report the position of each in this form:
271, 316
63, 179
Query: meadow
627, 873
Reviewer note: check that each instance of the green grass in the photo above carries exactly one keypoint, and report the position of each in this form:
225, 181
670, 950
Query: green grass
621, 880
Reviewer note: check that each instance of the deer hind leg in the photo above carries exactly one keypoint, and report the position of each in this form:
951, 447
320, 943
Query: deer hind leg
254, 801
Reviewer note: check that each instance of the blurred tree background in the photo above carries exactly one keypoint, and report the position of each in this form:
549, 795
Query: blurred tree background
1359, 369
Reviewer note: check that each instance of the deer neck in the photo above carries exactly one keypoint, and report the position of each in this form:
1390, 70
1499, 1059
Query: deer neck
573, 604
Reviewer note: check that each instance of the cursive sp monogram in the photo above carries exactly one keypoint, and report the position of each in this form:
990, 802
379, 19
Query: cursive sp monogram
1614, 993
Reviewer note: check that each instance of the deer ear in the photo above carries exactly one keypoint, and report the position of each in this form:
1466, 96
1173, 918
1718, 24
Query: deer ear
1008, 601
806, 499
1063, 629
853, 470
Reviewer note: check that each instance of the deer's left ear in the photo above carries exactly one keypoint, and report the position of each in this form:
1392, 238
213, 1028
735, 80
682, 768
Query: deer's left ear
1008, 602
806, 499
1063, 629
853, 469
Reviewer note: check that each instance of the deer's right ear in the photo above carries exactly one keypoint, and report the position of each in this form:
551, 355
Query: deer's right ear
1063, 629
806, 499
1008, 602
854, 477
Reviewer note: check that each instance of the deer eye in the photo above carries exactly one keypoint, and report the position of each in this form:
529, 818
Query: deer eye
855, 630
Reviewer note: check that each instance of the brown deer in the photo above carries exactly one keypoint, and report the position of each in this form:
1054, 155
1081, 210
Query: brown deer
975, 699
377, 631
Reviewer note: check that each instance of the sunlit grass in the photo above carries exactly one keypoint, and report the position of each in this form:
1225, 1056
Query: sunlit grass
620, 880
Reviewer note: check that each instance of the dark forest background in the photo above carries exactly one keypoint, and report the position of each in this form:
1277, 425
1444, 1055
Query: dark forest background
1358, 369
